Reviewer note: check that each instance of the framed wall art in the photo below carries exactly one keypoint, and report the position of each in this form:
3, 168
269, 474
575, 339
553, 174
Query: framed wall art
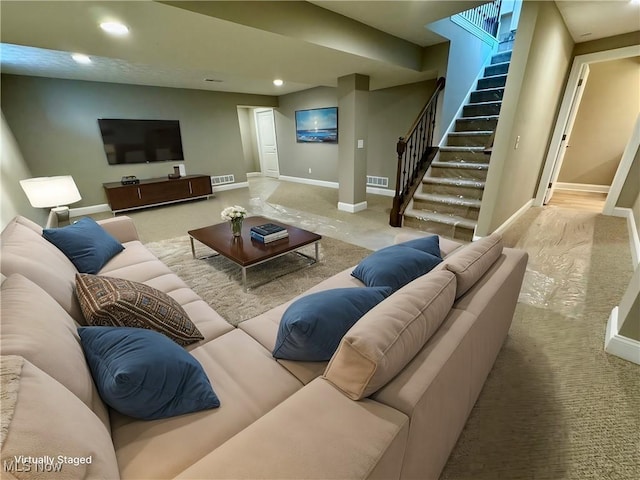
318, 125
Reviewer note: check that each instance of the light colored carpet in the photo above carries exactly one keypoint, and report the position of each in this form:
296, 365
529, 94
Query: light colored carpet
324, 201
219, 281
556, 406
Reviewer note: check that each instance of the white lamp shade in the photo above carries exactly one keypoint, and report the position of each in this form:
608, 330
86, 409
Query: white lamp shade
46, 192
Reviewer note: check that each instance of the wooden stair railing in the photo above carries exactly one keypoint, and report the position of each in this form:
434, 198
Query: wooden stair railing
415, 154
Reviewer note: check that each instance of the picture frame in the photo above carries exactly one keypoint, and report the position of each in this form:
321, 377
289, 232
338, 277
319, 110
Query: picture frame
317, 125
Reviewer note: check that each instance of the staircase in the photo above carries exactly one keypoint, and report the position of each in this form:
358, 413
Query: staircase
448, 200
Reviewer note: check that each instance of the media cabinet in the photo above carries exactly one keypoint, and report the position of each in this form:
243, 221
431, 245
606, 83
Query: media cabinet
156, 191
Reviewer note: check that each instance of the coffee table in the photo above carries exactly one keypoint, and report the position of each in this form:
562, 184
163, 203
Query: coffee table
247, 252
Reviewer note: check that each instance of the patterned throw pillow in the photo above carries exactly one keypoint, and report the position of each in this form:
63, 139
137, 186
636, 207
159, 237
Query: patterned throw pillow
115, 302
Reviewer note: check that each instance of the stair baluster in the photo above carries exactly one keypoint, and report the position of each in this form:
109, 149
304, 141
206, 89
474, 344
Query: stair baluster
415, 154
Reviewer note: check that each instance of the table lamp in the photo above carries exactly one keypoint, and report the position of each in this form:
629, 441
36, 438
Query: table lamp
56, 192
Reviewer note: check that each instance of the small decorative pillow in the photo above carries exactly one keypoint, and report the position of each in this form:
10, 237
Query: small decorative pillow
394, 266
145, 375
430, 244
312, 327
116, 302
85, 243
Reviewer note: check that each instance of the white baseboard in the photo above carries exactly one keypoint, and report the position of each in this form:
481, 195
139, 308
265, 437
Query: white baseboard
501, 229
352, 207
634, 239
381, 191
582, 187
618, 345
309, 181
323, 183
230, 186
254, 174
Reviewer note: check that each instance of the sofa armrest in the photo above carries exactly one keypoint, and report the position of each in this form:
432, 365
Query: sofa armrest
316, 433
122, 228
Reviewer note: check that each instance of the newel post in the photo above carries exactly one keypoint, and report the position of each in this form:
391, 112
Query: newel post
395, 218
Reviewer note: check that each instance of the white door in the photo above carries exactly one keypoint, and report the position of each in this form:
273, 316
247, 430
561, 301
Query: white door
566, 134
267, 147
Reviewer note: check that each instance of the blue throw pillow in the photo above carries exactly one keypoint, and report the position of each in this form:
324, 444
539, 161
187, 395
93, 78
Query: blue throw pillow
144, 374
430, 244
394, 266
312, 327
85, 243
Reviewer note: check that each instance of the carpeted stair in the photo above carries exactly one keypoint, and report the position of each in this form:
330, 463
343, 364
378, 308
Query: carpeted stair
448, 201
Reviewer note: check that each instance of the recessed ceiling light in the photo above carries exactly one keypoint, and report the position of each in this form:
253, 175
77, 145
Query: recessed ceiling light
278, 83
81, 58
114, 28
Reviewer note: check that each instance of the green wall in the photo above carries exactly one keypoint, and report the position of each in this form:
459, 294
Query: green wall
392, 111
466, 55
13, 200
539, 67
55, 125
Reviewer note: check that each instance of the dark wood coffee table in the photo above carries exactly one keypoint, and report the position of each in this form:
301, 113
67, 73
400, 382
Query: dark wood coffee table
247, 252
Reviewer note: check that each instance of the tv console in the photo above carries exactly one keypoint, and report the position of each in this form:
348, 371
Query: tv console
156, 191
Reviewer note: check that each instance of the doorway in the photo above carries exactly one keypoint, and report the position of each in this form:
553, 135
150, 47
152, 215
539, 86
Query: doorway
267, 144
569, 112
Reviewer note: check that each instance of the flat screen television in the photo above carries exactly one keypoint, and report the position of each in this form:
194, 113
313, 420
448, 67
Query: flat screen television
140, 141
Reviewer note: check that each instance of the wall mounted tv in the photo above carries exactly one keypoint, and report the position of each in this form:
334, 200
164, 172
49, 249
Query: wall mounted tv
141, 141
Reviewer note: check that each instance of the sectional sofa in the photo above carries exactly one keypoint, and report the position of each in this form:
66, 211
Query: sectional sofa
390, 402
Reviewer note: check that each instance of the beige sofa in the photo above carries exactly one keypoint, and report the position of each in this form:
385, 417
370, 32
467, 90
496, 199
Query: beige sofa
391, 403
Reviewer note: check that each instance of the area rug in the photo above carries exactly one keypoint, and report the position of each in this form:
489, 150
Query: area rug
219, 281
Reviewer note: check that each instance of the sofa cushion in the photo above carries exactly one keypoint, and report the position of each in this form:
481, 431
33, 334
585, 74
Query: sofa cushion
394, 266
313, 325
85, 243
143, 374
471, 262
316, 434
379, 346
35, 327
116, 302
249, 384
49, 421
25, 251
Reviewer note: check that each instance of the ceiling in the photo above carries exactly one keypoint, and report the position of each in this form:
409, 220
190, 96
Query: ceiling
593, 19
242, 46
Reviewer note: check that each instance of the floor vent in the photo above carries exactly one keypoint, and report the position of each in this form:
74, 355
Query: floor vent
221, 179
377, 181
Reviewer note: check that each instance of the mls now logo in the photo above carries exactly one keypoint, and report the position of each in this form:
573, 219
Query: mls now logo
16, 465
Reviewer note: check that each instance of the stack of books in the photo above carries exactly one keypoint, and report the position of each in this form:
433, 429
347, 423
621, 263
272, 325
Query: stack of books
269, 232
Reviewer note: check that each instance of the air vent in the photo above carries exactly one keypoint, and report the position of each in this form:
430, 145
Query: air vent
377, 181
222, 179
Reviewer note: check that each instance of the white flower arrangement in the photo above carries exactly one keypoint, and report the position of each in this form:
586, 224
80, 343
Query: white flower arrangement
233, 213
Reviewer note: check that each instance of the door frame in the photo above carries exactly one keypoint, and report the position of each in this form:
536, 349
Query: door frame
256, 112
551, 167
574, 106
